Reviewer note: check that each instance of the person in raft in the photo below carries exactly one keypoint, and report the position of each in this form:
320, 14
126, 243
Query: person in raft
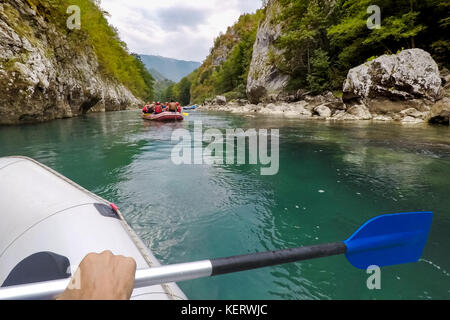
173, 106
149, 108
103, 277
158, 108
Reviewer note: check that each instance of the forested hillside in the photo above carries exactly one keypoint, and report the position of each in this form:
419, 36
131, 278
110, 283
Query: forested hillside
225, 70
319, 42
323, 39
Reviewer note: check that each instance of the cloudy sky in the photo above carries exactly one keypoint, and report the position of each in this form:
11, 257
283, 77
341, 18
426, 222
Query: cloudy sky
180, 29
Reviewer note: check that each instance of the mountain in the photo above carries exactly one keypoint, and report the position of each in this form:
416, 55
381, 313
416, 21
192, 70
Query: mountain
160, 85
171, 69
156, 75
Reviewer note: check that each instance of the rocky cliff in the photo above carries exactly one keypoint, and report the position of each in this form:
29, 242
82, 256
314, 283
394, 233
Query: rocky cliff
45, 76
264, 79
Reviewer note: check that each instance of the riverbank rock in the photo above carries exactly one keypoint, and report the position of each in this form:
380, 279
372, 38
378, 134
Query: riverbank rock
360, 112
44, 76
440, 112
220, 100
411, 74
322, 111
264, 79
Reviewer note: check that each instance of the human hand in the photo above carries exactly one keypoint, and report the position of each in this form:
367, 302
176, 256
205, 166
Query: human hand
103, 277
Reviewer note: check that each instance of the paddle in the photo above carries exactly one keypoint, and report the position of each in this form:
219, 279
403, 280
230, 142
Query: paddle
185, 114
383, 241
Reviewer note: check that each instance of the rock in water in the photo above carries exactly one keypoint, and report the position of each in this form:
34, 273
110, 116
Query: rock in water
44, 75
411, 74
264, 78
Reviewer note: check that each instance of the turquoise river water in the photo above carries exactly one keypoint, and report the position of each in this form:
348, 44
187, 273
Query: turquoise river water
332, 178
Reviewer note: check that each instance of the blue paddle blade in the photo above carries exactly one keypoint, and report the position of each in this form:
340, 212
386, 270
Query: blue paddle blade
389, 240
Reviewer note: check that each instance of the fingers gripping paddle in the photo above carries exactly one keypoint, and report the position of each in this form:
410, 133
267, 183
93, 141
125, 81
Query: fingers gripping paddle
383, 241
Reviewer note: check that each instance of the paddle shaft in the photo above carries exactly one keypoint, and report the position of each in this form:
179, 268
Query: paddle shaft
273, 258
187, 271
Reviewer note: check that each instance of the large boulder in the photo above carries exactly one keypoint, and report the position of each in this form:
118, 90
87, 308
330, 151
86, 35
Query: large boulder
411, 74
264, 79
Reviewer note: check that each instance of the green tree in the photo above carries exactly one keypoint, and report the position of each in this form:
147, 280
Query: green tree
399, 28
304, 31
184, 91
148, 90
169, 94
318, 78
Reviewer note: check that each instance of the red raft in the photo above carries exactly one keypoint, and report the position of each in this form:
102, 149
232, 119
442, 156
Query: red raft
164, 116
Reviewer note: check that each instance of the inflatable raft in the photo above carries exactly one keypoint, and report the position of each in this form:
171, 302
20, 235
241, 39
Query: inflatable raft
49, 224
164, 116
191, 107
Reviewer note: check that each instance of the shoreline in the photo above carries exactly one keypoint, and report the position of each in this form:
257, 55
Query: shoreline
330, 108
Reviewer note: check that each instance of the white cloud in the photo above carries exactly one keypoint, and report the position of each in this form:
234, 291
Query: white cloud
179, 29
